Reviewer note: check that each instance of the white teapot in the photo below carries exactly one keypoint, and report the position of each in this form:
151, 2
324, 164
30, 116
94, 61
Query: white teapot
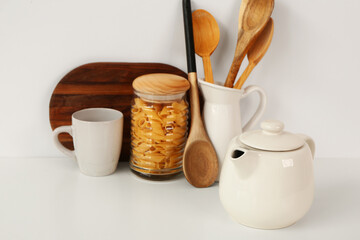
267, 179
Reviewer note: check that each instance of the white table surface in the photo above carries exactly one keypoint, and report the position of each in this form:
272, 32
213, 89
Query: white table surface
48, 198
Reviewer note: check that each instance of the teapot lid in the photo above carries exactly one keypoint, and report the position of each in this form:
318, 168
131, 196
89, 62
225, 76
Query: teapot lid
271, 137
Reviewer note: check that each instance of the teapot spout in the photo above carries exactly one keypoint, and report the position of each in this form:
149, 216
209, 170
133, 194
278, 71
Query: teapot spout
245, 162
310, 142
236, 154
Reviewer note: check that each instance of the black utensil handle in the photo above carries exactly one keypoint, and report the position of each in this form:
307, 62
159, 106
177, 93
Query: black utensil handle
189, 37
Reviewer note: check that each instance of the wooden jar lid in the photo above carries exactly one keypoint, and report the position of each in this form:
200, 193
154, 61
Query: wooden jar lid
161, 84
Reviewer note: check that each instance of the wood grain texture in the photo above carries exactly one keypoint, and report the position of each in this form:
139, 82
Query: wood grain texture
257, 51
253, 16
101, 84
200, 163
161, 84
206, 39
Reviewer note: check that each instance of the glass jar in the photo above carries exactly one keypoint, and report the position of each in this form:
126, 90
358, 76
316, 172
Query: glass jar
159, 125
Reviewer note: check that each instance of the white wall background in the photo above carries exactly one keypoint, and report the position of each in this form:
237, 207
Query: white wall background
310, 73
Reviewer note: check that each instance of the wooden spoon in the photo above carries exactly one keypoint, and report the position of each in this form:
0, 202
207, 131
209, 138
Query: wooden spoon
200, 162
257, 51
253, 16
206, 39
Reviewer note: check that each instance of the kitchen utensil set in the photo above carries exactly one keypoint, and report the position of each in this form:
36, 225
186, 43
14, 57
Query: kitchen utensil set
250, 162
202, 35
255, 27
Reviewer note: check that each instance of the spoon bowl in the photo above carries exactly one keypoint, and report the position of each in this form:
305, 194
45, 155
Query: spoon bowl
206, 39
201, 170
254, 15
206, 32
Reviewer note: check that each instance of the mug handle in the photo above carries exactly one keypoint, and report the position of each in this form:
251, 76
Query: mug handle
261, 108
56, 132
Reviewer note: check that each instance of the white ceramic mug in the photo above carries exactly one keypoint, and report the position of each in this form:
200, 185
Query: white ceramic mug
97, 136
222, 115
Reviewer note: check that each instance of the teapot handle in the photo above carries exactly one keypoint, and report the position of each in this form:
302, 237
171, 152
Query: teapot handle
310, 142
261, 108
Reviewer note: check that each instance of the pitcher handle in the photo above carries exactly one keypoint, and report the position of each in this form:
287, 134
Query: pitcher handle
261, 108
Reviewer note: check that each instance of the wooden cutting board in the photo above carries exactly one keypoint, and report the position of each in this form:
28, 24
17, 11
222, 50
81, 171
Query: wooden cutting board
100, 84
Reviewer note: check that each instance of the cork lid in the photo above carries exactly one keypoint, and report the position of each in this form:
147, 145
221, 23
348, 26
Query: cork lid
161, 84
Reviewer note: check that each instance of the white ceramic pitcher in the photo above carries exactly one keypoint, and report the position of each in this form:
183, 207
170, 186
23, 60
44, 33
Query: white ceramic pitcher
222, 115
